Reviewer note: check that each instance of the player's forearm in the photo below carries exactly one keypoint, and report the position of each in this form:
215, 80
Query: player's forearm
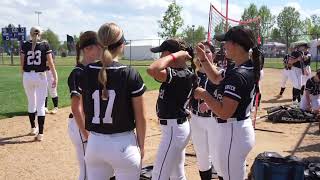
141, 122
211, 71
78, 114
215, 105
159, 65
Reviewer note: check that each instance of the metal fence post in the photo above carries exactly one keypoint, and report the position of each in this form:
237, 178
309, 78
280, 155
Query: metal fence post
130, 51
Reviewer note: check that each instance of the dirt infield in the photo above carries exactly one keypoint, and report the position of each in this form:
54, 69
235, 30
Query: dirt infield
21, 158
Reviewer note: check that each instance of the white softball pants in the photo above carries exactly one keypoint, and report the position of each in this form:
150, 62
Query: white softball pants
285, 77
79, 143
203, 135
296, 77
234, 142
35, 87
306, 77
109, 154
52, 91
171, 152
314, 102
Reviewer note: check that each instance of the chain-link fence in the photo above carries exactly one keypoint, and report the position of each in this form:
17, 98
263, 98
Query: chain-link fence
136, 53
275, 48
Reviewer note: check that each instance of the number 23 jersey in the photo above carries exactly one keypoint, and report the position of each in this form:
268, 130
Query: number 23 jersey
35, 60
116, 114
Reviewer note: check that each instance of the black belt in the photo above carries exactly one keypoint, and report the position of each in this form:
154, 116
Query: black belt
33, 71
70, 115
201, 114
219, 120
179, 121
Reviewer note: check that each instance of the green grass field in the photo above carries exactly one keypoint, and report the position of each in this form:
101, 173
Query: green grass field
14, 101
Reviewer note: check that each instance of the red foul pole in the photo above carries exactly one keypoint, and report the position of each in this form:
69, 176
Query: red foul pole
209, 25
227, 15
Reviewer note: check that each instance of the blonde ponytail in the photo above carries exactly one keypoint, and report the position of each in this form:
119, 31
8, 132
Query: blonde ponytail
102, 77
35, 36
109, 36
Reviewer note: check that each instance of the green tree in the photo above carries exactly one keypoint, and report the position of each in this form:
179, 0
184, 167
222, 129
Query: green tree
289, 24
52, 38
267, 21
171, 21
276, 36
315, 27
1, 41
250, 12
193, 36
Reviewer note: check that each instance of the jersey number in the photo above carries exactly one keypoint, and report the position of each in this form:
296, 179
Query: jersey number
107, 119
34, 57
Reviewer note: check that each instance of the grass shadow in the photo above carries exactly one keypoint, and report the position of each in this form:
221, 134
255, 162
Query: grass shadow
10, 140
12, 114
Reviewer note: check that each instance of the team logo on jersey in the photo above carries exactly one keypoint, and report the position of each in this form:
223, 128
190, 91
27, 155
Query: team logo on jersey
230, 87
161, 93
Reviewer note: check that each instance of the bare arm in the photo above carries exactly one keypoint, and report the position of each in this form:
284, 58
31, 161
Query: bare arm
224, 109
157, 68
52, 69
78, 114
141, 123
21, 62
210, 69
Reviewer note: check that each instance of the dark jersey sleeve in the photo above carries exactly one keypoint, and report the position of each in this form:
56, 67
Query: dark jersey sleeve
174, 75
23, 48
233, 87
136, 84
74, 81
309, 85
47, 48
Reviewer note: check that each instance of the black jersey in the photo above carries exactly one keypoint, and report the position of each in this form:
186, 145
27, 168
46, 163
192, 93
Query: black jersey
116, 114
307, 58
206, 84
313, 87
239, 85
174, 93
296, 54
285, 62
35, 60
74, 80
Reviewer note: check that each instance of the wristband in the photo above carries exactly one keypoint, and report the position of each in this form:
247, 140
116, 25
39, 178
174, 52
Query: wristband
173, 57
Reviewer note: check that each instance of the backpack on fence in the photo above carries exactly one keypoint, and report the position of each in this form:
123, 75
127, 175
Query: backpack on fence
272, 166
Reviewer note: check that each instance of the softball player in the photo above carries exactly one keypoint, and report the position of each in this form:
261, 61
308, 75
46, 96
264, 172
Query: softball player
307, 62
91, 51
311, 98
201, 123
232, 101
285, 74
296, 59
52, 91
114, 107
33, 57
175, 90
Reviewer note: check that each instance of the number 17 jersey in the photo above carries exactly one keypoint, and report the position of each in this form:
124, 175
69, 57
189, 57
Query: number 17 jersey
116, 114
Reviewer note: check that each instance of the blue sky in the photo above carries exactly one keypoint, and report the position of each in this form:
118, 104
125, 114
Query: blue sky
138, 18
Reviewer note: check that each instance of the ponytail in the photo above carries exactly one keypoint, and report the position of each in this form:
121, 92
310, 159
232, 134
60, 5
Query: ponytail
256, 60
102, 77
78, 52
35, 38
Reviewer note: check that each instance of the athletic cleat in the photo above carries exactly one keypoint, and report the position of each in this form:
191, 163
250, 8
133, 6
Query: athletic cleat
54, 110
34, 131
279, 96
39, 137
46, 110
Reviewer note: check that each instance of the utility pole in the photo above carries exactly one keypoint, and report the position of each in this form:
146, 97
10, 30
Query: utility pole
38, 13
